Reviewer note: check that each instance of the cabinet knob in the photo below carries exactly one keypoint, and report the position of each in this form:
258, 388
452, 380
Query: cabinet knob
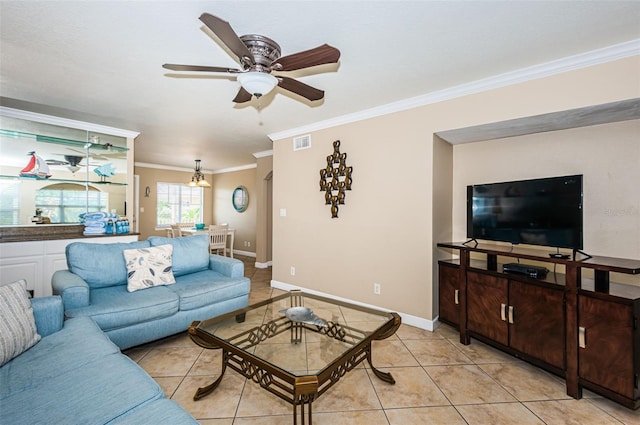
582, 337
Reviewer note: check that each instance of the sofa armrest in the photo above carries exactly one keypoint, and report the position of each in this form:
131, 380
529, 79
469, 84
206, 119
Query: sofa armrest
72, 288
48, 313
229, 267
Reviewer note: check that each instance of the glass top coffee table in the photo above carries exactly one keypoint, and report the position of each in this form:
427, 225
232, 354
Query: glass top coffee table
295, 345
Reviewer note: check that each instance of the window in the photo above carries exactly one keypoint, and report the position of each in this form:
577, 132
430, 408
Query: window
178, 203
9, 202
63, 203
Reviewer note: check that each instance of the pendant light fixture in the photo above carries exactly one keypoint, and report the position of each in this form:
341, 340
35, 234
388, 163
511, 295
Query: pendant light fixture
198, 179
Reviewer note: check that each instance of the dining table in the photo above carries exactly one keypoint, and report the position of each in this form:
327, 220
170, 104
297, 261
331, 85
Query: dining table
231, 235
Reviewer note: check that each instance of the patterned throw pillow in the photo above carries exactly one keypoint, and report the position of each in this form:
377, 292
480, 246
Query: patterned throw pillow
17, 326
148, 267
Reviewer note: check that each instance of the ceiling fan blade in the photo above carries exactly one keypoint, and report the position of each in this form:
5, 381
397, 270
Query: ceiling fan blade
228, 36
56, 162
175, 67
242, 96
302, 89
312, 57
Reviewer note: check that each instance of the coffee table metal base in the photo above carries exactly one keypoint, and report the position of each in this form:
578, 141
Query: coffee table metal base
298, 390
303, 390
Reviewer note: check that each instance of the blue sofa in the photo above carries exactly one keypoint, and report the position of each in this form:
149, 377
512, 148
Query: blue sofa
95, 285
76, 375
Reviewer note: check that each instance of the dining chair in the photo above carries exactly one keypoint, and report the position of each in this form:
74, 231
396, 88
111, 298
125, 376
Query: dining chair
177, 231
218, 238
186, 225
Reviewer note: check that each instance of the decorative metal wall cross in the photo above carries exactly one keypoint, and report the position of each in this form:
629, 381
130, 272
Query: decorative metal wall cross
335, 179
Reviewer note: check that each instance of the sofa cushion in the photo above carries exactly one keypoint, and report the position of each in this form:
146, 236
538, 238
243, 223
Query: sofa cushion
17, 325
148, 267
48, 313
115, 307
95, 393
190, 253
79, 342
161, 411
100, 265
208, 287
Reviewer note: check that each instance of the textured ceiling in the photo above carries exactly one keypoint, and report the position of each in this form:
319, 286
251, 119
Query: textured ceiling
101, 61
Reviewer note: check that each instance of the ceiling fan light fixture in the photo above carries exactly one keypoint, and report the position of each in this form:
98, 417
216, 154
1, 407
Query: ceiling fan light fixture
257, 83
198, 180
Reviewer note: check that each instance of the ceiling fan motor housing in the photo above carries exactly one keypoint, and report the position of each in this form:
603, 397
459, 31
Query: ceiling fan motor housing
258, 57
263, 49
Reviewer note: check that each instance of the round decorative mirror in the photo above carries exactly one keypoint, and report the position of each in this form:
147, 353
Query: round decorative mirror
240, 198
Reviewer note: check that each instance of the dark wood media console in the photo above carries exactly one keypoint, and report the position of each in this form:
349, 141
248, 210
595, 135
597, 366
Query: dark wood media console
586, 330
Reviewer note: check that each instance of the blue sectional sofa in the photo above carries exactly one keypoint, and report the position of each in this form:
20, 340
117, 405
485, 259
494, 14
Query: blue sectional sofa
95, 285
76, 375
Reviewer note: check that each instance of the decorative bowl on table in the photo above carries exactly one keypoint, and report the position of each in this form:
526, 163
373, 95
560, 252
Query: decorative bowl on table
199, 226
303, 315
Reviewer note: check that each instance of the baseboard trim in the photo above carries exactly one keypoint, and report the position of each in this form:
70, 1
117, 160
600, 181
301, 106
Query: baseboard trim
407, 319
245, 253
263, 265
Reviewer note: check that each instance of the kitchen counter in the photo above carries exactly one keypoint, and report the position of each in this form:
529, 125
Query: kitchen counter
45, 232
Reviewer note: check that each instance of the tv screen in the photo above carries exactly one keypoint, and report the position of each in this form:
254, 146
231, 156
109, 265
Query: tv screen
545, 211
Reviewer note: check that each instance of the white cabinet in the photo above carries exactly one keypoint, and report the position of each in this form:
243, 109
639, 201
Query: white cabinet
36, 261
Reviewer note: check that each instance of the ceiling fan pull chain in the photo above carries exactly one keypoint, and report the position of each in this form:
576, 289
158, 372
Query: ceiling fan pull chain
260, 123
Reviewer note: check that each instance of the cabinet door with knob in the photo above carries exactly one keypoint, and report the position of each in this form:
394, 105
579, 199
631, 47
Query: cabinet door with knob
487, 306
536, 317
526, 317
449, 294
605, 341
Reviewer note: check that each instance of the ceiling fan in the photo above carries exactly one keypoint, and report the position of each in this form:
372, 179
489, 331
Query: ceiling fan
73, 162
259, 56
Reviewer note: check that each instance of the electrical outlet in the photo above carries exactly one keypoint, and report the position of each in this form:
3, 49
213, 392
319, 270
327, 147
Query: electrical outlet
376, 288
293, 271
249, 244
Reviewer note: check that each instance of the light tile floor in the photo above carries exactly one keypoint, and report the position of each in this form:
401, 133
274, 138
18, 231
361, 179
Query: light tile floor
438, 381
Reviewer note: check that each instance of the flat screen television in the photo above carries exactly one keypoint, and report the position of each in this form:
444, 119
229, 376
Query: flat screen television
545, 211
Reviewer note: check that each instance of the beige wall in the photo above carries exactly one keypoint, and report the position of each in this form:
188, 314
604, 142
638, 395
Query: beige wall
398, 209
608, 156
151, 176
264, 214
217, 202
223, 211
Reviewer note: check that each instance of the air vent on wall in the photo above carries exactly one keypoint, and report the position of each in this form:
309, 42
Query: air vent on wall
302, 142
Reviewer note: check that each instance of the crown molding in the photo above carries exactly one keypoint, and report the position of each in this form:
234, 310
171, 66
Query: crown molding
570, 63
263, 154
190, 170
238, 168
168, 167
65, 122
